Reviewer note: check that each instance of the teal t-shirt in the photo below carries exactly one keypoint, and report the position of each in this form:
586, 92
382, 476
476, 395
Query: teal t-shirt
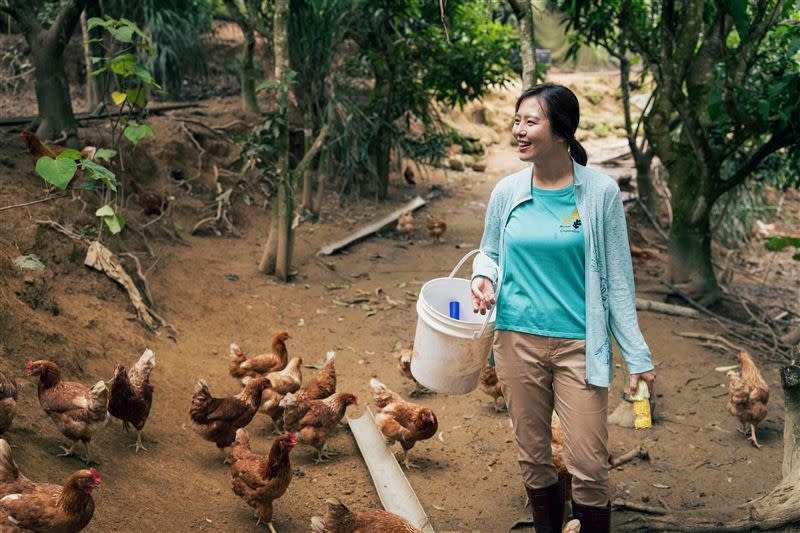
544, 288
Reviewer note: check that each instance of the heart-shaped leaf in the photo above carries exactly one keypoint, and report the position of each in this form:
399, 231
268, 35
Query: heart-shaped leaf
69, 153
114, 223
99, 172
118, 97
105, 211
138, 132
58, 172
137, 97
104, 154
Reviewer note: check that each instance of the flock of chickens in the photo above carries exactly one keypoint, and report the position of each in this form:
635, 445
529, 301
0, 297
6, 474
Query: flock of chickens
302, 412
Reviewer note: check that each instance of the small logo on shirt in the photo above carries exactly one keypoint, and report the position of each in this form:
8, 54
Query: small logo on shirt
571, 223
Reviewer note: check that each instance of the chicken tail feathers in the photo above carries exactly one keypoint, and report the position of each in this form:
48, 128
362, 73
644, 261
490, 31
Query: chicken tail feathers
9, 471
146, 363
318, 525
200, 399
242, 439
99, 399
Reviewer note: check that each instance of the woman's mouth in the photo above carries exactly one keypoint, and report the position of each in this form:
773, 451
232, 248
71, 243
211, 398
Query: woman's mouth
522, 144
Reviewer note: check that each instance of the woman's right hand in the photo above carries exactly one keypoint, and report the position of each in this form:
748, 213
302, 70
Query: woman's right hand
482, 295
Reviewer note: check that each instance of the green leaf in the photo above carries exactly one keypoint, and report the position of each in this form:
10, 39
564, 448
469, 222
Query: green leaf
123, 64
776, 244
118, 97
105, 211
99, 71
95, 22
142, 73
58, 172
69, 153
123, 34
104, 154
113, 221
136, 133
738, 11
99, 172
137, 97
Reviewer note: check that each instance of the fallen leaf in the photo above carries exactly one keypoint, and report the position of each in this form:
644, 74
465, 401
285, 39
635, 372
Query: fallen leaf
660, 485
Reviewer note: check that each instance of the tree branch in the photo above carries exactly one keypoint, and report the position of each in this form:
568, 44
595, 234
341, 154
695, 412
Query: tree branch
25, 17
64, 25
781, 139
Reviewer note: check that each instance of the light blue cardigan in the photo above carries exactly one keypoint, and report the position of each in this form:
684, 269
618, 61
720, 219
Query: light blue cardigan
610, 293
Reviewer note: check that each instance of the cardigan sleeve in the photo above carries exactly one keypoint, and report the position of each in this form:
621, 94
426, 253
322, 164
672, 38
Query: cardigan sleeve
484, 263
621, 292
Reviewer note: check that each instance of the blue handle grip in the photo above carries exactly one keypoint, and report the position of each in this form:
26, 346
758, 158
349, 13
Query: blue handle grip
455, 310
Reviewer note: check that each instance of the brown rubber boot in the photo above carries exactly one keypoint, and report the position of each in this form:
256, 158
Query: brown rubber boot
548, 508
593, 519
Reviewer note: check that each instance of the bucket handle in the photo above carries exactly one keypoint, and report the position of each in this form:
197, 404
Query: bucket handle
497, 290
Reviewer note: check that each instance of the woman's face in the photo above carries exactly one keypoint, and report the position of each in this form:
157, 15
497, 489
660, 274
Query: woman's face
535, 138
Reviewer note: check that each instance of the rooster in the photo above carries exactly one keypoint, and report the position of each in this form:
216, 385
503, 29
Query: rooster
340, 519
405, 224
8, 401
749, 394
260, 480
217, 419
132, 395
239, 365
402, 421
436, 227
76, 410
313, 420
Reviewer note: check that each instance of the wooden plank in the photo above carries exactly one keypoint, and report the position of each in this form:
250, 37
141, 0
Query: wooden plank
667, 309
393, 488
371, 228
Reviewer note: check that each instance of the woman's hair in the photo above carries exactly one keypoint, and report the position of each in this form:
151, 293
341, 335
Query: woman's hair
563, 110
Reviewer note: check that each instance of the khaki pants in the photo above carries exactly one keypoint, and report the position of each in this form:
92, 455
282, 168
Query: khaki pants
538, 374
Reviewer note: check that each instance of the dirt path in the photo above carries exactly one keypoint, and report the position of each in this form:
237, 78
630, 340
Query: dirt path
468, 480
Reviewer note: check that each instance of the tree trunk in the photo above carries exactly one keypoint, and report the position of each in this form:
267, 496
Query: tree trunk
267, 263
47, 56
308, 174
283, 262
95, 88
324, 170
523, 11
644, 179
690, 265
382, 152
248, 73
790, 380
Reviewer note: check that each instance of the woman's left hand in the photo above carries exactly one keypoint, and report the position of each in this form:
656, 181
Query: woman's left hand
648, 377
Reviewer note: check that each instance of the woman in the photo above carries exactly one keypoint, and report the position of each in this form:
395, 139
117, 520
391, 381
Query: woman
557, 230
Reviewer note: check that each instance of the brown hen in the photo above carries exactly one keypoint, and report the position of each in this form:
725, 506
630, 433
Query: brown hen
240, 365
132, 395
76, 410
8, 401
283, 382
489, 384
749, 394
260, 480
339, 519
312, 420
324, 383
402, 421
436, 227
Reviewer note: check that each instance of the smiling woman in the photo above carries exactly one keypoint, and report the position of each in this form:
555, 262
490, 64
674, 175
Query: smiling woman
557, 230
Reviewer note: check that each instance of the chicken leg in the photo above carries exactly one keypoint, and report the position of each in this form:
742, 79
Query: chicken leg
68, 451
407, 462
753, 436
138, 444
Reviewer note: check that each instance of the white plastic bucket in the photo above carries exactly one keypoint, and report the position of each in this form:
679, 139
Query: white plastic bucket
449, 354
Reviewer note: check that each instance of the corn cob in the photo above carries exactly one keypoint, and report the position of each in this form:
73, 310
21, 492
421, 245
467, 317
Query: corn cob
641, 407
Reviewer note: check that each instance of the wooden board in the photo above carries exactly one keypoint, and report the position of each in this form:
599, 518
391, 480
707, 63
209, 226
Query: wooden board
393, 487
372, 227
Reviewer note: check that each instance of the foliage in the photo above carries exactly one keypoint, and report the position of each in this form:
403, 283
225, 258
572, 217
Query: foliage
174, 29
133, 83
779, 243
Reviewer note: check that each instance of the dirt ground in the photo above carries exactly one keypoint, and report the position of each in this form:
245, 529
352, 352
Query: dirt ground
210, 291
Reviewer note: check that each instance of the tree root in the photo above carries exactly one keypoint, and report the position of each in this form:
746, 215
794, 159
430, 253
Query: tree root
221, 221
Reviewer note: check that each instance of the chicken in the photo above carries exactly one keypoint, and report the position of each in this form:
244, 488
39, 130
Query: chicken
405, 224
240, 365
8, 401
260, 480
312, 420
52, 508
132, 395
217, 419
324, 383
436, 228
39, 149
283, 382
339, 519
152, 203
408, 175
402, 421
404, 366
489, 384
11, 479
76, 410
749, 394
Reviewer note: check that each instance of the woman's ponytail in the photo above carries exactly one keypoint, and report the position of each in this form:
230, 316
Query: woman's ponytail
577, 151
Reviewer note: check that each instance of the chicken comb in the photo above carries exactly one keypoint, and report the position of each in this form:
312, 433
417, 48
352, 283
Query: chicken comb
95, 475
